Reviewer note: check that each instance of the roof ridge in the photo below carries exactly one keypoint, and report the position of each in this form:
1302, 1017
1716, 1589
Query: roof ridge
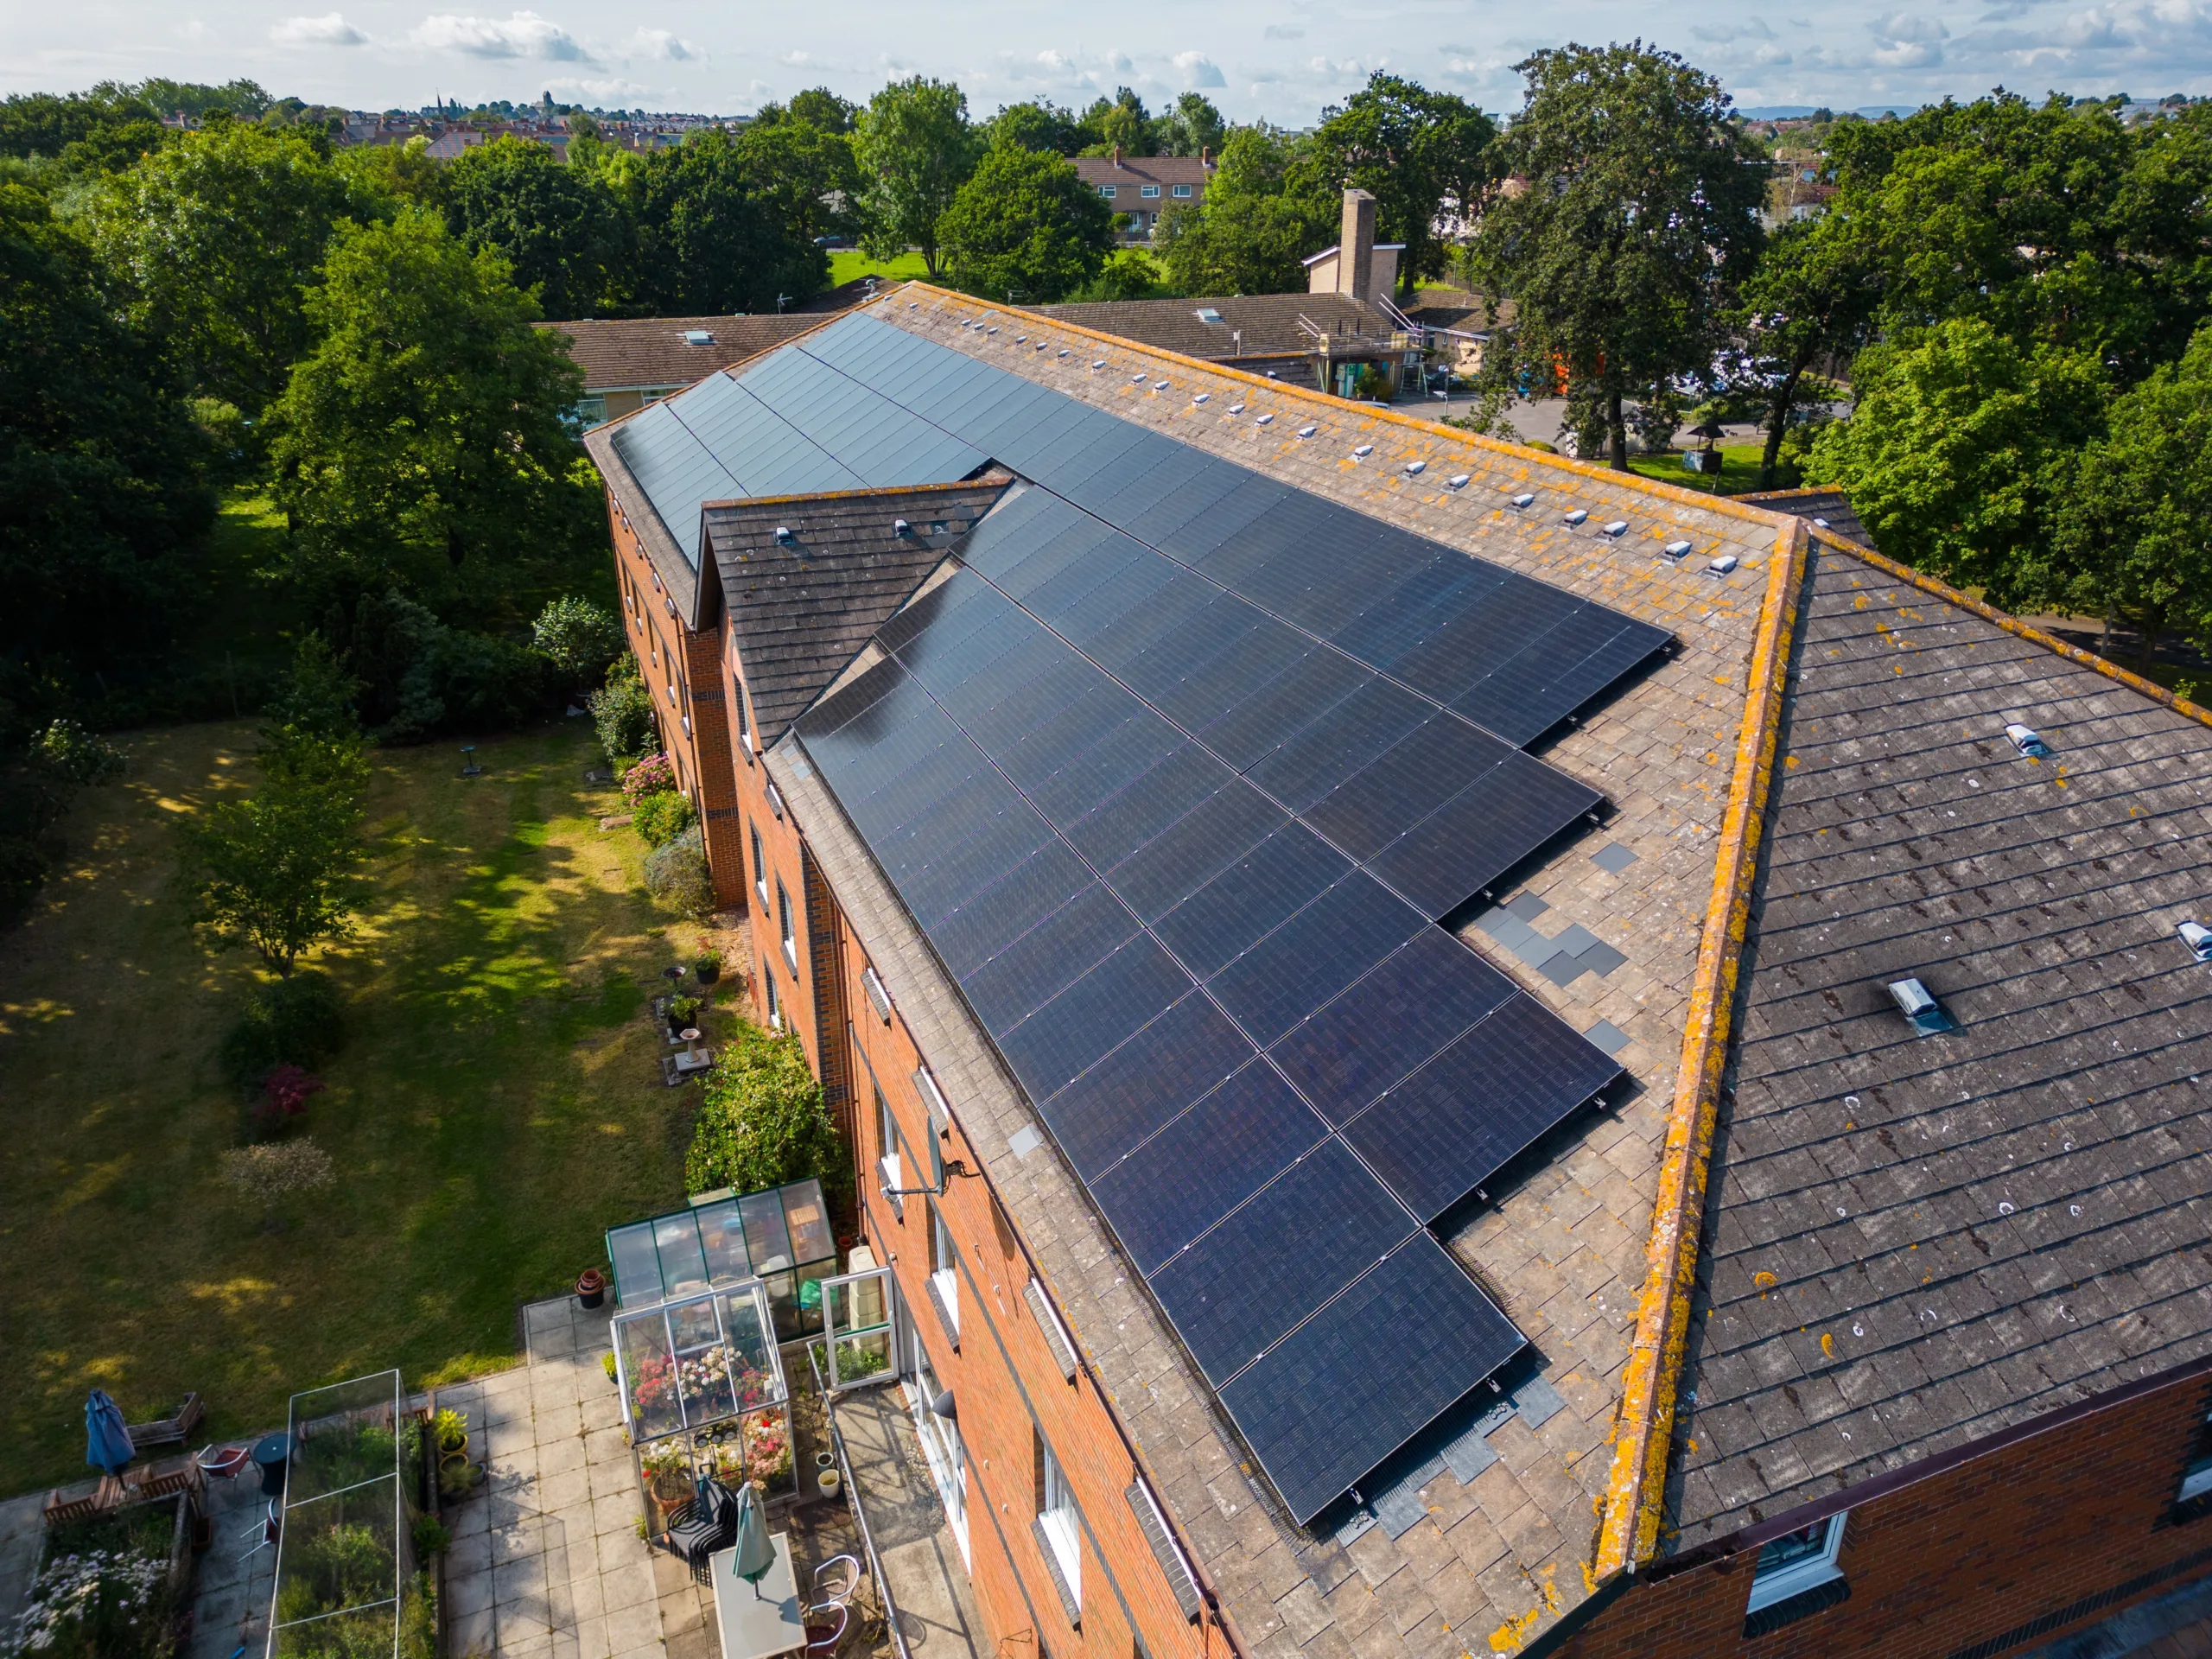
1003, 475
1637, 1486
1729, 506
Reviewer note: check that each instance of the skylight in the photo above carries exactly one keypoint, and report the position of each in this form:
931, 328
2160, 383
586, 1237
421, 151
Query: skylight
1207, 313
1919, 1004
698, 337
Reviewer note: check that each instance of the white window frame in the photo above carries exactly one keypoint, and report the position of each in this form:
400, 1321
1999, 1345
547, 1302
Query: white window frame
1148, 193
2196, 1478
944, 1272
1182, 193
759, 867
775, 1002
1807, 1573
1107, 191
785, 923
889, 1168
1057, 1520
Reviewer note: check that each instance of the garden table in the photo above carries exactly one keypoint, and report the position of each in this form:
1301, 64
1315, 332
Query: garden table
271, 1454
758, 1620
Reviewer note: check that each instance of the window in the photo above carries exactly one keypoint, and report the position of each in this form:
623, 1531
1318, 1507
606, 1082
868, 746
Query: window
1148, 192
2196, 1478
591, 409
945, 1275
1797, 1561
744, 726
1059, 1531
783, 920
889, 1167
775, 1003
759, 867
1107, 191
1181, 193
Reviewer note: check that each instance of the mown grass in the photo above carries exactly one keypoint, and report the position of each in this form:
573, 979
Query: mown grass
497, 1107
849, 264
1739, 474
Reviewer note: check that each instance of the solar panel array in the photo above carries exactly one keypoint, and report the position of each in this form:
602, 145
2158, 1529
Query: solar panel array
1176, 776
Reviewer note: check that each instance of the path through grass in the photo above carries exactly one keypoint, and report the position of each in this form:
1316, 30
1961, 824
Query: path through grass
498, 1106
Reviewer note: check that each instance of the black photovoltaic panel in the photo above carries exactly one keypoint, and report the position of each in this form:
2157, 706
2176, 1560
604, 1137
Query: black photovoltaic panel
1392, 1353
1272, 1262
1124, 796
1454, 1123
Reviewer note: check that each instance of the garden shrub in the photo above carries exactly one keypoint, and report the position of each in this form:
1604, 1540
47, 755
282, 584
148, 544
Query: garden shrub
295, 1021
418, 1618
763, 1122
677, 874
651, 775
98, 1603
622, 712
77, 756
661, 817
284, 1096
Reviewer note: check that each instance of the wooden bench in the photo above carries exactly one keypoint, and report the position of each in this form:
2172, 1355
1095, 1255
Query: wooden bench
170, 1431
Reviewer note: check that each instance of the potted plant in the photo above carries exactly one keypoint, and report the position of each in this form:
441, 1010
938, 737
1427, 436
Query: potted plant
451, 1428
682, 1010
591, 1287
709, 967
670, 1472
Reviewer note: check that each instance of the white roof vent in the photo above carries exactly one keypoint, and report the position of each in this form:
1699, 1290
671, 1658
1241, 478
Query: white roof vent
1581, 515
1675, 550
1137, 379
1100, 364
993, 329
1022, 340
1207, 313
1364, 449
1236, 408
900, 527
1062, 353
1617, 527
783, 532
1823, 523
1457, 481
698, 337
1524, 500
1722, 566
2198, 938
1919, 1004
1263, 420
2026, 739
1307, 431
1202, 396
1414, 469
1160, 385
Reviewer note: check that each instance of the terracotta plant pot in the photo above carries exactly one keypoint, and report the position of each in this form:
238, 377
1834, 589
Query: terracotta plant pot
591, 1287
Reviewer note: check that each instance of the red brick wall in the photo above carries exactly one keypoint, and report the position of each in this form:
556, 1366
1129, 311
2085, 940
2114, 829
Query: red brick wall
1009, 1389
1967, 1554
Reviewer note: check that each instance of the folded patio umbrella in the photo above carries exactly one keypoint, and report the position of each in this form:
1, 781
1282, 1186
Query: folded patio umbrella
756, 1552
108, 1435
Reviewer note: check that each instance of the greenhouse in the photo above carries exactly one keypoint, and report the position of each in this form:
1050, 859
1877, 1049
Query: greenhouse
346, 1583
780, 1236
703, 1395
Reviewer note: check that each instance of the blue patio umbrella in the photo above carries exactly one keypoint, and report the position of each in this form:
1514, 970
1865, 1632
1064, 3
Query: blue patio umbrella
107, 1435
755, 1553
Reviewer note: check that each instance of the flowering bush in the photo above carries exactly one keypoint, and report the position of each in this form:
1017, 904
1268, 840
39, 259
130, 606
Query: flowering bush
284, 1096
654, 775
104, 1603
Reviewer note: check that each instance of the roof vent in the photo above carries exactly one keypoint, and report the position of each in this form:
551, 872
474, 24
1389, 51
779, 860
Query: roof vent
1062, 352
900, 527
1022, 340
913, 305
1457, 481
1364, 449
1414, 468
1524, 500
1722, 566
1263, 420
1823, 523
1137, 379
1919, 1004
1307, 431
783, 532
1675, 551
1617, 527
1207, 313
1160, 385
697, 337
1581, 515
993, 329
1100, 364
1236, 408
2026, 740
2198, 938
1201, 397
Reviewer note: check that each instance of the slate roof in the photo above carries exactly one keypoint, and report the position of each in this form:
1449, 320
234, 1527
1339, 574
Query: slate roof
803, 609
1268, 323
1828, 509
622, 354
1916, 1242
1143, 169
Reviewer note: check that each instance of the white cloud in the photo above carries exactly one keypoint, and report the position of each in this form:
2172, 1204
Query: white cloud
329, 29
1754, 28
525, 35
616, 90
1281, 32
1198, 70
1903, 41
662, 44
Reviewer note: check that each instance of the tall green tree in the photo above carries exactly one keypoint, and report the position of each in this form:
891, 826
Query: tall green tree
213, 241
1636, 224
807, 176
272, 872
713, 234
1266, 208
427, 430
1190, 126
817, 106
46, 123
101, 498
1959, 448
1025, 228
1037, 123
917, 150
1120, 122
2132, 529
1811, 299
762, 1121
558, 227
1408, 148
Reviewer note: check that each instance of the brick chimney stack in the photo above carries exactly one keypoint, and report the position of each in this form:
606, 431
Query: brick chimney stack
1117, 154
1356, 247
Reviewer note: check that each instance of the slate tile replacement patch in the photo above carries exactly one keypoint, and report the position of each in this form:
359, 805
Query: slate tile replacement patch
1609, 1037
1612, 858
1562, 957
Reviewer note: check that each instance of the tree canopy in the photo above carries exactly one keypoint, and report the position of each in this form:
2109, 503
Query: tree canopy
917, 150
1025, 228
1266, 207
1636, 224
559, 229
712, 238
1410, 148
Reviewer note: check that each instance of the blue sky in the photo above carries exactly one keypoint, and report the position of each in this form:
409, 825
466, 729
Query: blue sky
1282, 59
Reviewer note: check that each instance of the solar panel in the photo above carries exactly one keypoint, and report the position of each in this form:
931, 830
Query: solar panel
1307, 961
1394, 1352
1132, 1091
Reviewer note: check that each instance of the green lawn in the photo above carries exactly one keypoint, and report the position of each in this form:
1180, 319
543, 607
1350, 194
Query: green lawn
498, 1106
849, 264
1739, 470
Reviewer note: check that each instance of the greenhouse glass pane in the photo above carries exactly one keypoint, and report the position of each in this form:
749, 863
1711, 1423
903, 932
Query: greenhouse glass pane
648, 1375
682, 1266
637, 1265
808, 1219
723, 1239
372, 1630
766, 1241
702, 1362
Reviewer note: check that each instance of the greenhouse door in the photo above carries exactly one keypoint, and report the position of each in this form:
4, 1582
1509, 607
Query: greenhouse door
857, 1325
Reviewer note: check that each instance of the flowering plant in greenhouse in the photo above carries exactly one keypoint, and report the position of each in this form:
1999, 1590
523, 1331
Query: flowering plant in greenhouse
99, 1602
